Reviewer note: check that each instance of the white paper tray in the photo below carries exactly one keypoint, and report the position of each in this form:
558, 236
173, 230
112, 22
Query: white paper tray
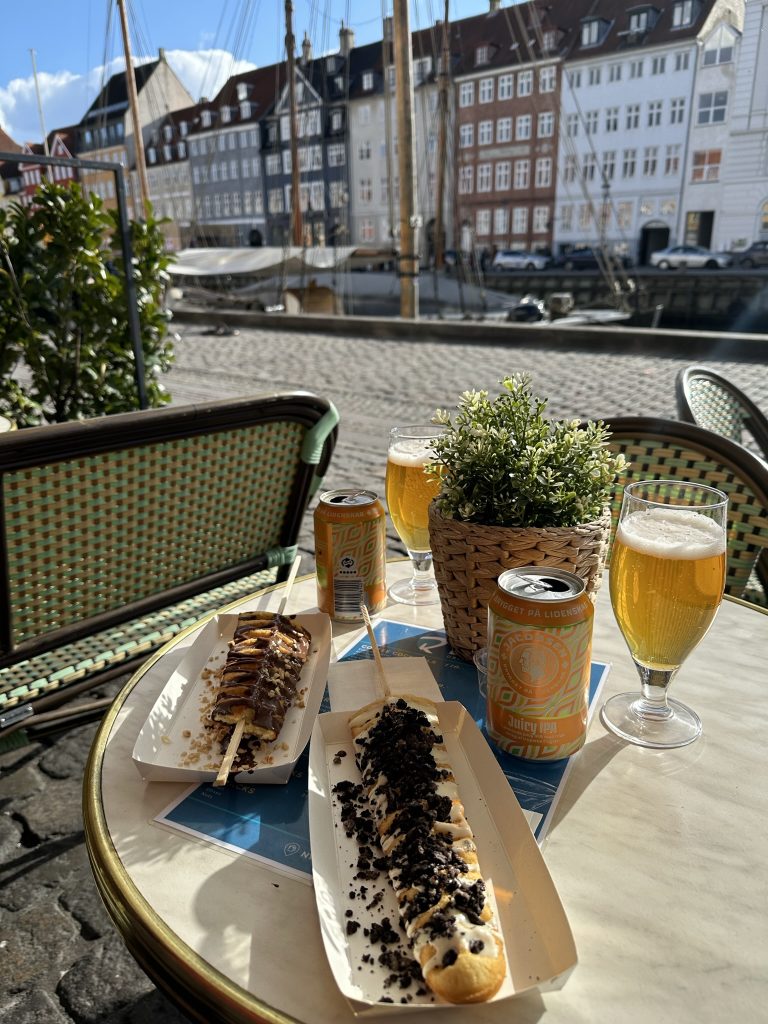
162, 741
537, 937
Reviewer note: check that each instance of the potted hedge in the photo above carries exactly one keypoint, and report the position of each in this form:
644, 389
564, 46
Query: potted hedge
516, 489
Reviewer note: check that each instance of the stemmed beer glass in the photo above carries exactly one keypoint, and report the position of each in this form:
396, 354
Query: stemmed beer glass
667, 578
410, 489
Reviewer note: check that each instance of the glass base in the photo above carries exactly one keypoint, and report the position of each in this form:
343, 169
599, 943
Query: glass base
408, 592
624, 716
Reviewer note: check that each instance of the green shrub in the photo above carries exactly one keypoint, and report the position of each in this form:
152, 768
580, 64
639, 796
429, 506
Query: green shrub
64, 314
502, 463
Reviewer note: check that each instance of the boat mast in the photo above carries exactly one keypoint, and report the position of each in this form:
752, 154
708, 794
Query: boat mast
442, 132
408, 258
387, 60
290, 49
133, 103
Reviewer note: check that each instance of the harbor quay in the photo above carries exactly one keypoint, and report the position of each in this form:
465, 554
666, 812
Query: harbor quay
63, 962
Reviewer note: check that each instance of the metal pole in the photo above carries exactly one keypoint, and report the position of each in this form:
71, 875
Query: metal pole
442, 131
134, 328
133, 103
39, 105
408, 258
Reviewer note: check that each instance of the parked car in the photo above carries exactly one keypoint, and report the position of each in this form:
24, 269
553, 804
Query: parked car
587, 259
694, 256
754, 256
519, 259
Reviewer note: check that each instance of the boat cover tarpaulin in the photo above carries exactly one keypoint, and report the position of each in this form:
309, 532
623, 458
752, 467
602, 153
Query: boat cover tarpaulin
261, 260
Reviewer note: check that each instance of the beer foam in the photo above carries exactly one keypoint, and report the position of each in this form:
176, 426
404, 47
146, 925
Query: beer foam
411, 452
671, 533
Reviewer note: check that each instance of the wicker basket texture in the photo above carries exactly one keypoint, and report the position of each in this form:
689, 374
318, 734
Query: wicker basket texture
469, 558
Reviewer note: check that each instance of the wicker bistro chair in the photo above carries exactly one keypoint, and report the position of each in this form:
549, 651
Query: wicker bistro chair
709, 400
119, 532
666, 449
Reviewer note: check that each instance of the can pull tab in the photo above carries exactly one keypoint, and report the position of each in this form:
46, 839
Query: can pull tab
546, 586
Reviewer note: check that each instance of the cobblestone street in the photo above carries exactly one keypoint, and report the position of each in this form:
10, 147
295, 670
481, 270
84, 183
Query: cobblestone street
62, 960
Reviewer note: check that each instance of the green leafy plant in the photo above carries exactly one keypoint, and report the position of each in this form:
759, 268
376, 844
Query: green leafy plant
501, 462
64, 314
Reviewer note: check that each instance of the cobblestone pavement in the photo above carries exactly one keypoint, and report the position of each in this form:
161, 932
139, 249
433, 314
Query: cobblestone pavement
60, 957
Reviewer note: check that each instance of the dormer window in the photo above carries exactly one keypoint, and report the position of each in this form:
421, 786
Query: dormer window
167, 155
245, 109
549, 41
482, 55
205, 118
638, 21
335, 120
421, 70
152, 155
226, 115
183, 129
367, 81
590, 32
330, 65
167, 133
242, 91
682, 14
718, 49
181, 149
339, 82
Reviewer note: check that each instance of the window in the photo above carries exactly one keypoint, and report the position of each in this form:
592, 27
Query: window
226, 115
540, 220
485, 133
668, 207
543, 176
633, 116
594, 76
506, 87
275, 200
336, 193
483, 177
719, 48
654, 113
614, 73
572, 125
205, 118
367, 230
590, 166
233, 169
636, 69
466, 178
422, 69
365, 114
522, 173
712, 107
366, 190
650, 161
609, 165
501, 221
520, 220
336, 120
485, 93
585, 215
525, 83
590, 122
574, 79
672, 158
624, 214
549, 41
629, 163
658, 65
523, 127
466, 94
590, 32
367, 81
638, 21
570, 168
317, 195
682, 13
677, 110
545, 128
612, 119
364, 150
287, 161
466, 135
504, 129
483, 223
706, 165
336, 155
566, 217
482, 55
384, 190
682, 60
548, 79
151, 156
503, 175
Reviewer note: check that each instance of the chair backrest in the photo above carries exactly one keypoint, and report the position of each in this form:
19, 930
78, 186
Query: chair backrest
108, 519
713, 402
668, 449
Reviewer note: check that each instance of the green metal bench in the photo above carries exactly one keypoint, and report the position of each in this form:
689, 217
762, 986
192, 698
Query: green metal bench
117, 533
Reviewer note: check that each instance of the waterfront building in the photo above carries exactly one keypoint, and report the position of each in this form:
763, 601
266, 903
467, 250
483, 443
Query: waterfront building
10, 175
168, 176
61, 143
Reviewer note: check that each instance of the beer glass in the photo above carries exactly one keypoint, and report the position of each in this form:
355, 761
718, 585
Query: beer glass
667, 578
410, 489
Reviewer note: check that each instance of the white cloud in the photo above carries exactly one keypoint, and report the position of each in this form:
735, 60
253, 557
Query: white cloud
66, 96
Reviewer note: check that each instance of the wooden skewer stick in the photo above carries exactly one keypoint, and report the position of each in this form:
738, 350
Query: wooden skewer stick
380, 673
226, 761
237, 733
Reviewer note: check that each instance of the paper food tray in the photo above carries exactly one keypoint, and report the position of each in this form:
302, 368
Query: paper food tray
537, 937
175, 723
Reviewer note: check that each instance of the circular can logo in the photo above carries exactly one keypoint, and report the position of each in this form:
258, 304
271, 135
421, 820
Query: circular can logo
534, 663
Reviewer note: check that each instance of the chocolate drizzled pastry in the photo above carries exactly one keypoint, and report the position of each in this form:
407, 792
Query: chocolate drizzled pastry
429, 847
260, 673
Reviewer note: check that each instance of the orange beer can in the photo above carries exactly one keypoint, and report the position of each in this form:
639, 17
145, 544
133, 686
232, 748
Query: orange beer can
350, 553
539, 658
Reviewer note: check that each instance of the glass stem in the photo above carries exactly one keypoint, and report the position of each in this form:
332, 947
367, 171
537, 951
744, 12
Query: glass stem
655, 683
422, 563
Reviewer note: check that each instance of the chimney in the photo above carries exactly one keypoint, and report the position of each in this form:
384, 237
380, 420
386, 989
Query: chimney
306, 50
494, 6
346, 40
161, 54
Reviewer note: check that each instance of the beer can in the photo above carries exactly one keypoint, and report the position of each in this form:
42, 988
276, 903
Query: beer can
539, 658
350, 553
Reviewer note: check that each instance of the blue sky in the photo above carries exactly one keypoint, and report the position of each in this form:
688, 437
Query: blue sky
205, 41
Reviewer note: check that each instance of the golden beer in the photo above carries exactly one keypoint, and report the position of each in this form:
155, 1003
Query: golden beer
667, 578
410, 489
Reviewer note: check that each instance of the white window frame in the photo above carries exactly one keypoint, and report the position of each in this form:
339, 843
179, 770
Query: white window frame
506, 90
466, 94
484, 178
485, 90
485, 133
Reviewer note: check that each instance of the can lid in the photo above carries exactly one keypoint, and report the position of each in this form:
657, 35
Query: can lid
539, 583
348, 496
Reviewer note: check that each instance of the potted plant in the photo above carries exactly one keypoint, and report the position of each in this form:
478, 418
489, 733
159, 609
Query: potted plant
516, 489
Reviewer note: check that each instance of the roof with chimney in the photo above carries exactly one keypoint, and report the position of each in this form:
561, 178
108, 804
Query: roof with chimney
112, 101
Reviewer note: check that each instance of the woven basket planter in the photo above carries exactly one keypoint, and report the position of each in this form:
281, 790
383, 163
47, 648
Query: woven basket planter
470, 557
